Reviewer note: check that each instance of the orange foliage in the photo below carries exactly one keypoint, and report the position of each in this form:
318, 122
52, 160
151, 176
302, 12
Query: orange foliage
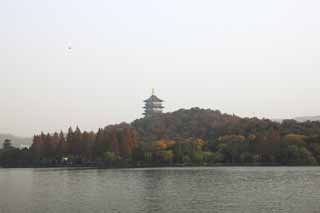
162, 144
199, 143
252, 137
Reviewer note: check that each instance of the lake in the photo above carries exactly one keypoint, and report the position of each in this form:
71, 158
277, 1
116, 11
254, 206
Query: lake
213, 189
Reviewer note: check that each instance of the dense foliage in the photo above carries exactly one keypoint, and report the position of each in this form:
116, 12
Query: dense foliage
184, 137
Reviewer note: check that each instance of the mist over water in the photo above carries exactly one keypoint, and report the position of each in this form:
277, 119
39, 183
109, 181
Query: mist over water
220, 189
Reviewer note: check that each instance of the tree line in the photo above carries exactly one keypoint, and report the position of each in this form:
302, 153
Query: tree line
184, 137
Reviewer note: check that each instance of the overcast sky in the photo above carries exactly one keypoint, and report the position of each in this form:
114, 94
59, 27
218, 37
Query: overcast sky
91, 63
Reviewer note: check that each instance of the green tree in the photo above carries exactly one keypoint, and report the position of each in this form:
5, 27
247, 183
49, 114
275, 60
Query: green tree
247, 157
209, 157
231, 146
198, 157
111, 157
186, 159
167, 156
300, 156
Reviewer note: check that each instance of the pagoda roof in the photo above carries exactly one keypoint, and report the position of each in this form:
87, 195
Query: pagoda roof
154, 107
153, 98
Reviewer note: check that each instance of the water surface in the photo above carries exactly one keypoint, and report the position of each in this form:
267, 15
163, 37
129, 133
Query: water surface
218, 189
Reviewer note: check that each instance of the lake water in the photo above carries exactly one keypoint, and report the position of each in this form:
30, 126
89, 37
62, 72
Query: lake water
218, 189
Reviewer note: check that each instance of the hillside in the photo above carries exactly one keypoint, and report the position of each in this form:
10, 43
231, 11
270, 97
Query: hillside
202, 123
212, 124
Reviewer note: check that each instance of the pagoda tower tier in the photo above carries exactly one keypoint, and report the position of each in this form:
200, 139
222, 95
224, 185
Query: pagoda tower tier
152, 105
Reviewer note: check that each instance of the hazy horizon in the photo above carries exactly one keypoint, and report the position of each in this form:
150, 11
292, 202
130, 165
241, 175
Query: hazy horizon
68, 63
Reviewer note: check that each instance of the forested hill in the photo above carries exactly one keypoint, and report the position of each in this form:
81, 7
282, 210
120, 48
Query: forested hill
184, 137
212, 124
183, 123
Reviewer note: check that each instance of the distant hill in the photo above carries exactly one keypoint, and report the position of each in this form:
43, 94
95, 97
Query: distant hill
300, 119
15, 140
307, 118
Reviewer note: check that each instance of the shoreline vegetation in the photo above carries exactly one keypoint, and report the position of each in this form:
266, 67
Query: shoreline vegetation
146, 166
193, 137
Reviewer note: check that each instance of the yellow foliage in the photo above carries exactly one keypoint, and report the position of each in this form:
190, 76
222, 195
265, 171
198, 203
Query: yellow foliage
162, 144
295, 136
295, 139
252, 137
167, 155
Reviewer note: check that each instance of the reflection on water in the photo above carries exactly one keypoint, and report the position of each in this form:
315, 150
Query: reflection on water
221, 189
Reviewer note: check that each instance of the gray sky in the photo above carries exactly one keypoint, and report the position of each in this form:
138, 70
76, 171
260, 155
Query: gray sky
248, 57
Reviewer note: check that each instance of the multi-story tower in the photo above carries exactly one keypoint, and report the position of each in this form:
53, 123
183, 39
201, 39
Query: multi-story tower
152, 106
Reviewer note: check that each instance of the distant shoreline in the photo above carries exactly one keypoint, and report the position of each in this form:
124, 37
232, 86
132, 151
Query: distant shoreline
162, 166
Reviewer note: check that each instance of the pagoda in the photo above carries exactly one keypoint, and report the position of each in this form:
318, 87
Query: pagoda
152, 106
